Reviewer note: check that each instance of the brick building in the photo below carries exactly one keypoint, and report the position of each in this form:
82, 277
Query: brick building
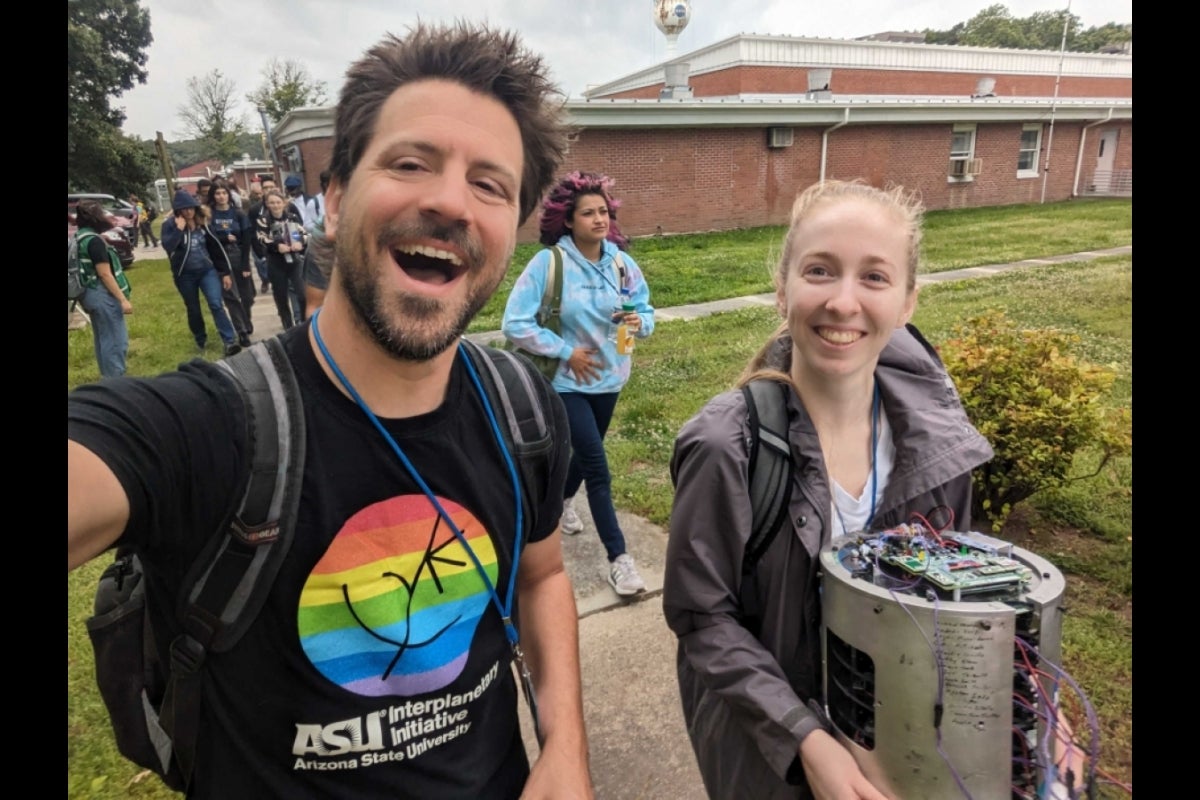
724, 137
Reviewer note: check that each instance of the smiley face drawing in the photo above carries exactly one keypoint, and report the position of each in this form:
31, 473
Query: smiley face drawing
393, 604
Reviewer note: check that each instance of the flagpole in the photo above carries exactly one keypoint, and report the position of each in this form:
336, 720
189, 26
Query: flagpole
1062, 52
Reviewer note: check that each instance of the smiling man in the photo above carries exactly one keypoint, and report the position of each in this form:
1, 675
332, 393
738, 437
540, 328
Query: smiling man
381, 663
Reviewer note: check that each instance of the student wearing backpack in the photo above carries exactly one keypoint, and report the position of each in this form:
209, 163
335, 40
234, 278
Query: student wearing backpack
876, 431
579, 218
106, 289
418, 573
145, 215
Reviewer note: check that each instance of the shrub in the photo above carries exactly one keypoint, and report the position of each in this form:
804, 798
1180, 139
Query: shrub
1037, 405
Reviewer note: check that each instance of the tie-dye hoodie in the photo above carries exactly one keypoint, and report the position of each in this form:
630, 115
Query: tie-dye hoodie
590, 292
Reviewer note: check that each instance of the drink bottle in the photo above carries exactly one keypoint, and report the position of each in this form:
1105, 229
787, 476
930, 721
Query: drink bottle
621, 333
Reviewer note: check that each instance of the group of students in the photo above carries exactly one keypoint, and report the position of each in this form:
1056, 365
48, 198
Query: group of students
445, 141
213, 259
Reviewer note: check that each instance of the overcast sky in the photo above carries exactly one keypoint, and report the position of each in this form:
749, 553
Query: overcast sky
584, 43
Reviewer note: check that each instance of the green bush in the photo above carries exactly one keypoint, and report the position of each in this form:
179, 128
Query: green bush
1037, 405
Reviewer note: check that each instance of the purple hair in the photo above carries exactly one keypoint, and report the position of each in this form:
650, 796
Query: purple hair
559, 206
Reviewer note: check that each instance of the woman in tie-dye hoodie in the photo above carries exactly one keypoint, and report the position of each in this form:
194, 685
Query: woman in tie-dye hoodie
579, 216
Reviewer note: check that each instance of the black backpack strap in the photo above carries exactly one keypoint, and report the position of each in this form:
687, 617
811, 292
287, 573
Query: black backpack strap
770, 482
230, 581
518, 394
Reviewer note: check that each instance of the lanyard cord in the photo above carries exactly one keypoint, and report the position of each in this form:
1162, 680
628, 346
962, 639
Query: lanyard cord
505, 609
874, 465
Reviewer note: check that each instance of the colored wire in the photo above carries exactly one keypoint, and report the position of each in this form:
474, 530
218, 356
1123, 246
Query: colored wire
1093, 724
929, 526
940, 662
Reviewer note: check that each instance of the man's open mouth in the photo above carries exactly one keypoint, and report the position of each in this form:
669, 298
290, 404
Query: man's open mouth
428, 264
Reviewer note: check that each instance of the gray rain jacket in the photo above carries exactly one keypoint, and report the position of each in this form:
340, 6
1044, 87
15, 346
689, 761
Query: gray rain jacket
744, 698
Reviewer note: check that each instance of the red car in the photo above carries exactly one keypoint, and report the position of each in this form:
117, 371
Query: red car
123, 217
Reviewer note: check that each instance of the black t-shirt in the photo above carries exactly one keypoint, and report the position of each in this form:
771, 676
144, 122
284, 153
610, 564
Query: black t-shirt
379, 666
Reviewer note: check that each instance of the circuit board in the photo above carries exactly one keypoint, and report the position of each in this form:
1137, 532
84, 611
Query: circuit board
954, 563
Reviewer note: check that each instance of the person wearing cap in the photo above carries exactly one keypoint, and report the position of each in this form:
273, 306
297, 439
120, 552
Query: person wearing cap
199, 266
294, 185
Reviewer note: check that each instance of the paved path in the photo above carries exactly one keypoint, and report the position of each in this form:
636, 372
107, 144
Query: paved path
639, 747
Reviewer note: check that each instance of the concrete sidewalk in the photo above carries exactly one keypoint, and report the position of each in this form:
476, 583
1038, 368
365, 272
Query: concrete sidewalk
639, 747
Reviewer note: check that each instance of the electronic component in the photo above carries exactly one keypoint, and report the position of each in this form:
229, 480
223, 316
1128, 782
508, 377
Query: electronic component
931, 649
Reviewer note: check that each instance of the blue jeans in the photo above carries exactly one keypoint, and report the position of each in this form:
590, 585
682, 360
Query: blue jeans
260, 264
109, 332
589, 415
191, 283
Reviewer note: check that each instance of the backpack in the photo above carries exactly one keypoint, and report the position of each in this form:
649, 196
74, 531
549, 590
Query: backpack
155, 708
76, 255
151, 213
548, 313
770, 470
75, 287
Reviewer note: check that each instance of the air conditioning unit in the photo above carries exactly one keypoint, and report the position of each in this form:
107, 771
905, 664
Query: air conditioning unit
780, 137
963, 167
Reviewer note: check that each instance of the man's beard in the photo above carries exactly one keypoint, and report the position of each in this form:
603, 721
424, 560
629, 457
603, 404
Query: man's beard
405, 325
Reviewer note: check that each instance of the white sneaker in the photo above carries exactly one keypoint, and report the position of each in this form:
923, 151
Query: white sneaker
623, 576
571, 523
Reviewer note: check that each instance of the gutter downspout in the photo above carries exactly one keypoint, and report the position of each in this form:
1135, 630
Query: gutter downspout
825, 139
1082, 142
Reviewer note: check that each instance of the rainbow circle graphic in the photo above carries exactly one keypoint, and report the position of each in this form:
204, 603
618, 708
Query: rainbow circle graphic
392, 606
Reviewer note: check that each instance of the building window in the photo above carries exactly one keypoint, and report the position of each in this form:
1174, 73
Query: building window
1030, 151
963, 164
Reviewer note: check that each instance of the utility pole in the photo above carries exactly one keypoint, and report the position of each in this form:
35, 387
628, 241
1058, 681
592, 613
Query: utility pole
164, 160
270, 140
1062, 51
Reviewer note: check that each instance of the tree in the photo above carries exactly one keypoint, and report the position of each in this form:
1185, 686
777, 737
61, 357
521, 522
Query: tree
107, 42
210, 115
286, 85
994, 26
950, 36
185, 152
1108, 35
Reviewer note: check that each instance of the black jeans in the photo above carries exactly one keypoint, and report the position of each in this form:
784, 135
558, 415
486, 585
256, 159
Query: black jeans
286, 288
147, 235
245, 289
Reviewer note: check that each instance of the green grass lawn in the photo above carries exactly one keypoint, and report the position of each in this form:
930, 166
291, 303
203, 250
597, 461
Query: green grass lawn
700, 267
1086, 529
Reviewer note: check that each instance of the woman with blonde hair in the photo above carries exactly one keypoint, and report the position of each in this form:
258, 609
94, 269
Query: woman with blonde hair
877, 432
283, 240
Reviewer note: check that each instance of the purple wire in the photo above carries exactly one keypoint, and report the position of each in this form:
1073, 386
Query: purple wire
1093, 723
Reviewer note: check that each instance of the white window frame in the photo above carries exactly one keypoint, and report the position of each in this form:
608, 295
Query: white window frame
1036, 150
966, 155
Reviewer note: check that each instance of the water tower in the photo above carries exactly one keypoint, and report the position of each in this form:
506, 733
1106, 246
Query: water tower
671, 17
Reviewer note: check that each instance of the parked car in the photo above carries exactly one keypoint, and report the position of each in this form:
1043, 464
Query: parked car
115, 236
122, 211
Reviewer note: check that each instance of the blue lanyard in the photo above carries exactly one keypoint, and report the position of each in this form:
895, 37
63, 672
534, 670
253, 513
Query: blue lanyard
504, 608
874, 465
